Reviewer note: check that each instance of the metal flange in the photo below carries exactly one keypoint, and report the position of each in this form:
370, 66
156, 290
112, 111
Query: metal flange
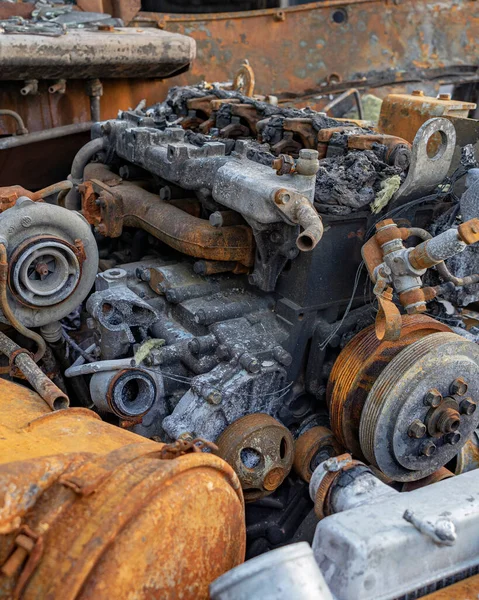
260, 449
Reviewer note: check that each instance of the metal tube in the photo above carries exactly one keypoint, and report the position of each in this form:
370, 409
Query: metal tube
45, 135
99, 366
7, 311
21, 129
343, 96
52, 395
82, 158
136, 207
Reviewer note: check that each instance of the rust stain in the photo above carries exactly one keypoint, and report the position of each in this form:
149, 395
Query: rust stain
464, 590
357, 368
82, 502
377, 43
127, 204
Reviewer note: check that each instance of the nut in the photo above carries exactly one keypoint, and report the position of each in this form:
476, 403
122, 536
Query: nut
433, 398
282, 197
459, 387
216, 219
214, 397
417, 429
468, 406
308, 154
453, 438
428, 448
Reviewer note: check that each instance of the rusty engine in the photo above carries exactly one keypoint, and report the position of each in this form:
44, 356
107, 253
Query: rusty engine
269, 280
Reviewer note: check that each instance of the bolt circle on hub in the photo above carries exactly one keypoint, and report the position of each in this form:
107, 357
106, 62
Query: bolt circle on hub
397, 399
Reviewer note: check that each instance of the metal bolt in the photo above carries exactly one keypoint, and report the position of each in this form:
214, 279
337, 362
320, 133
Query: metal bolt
194, 346
155, 356
428, 448
453, 438
417, 93
459, 386
433, 398
223, 352
444, 96
143, 273
282, 356
449, 420
308, 154
283, 198
214, 397
216, 219
250, 363
468, 406
417, 429
171, 295
165, 193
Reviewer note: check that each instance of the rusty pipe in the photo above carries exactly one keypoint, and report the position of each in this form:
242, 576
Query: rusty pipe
8, 313
310, 221
82, 158
128, 205
441, 267
20, 357
21, 129
55, 188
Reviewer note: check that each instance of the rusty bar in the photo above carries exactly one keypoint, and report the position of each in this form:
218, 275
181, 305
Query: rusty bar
126, 204
52, 395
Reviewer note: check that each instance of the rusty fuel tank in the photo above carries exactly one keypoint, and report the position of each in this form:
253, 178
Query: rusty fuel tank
88, 510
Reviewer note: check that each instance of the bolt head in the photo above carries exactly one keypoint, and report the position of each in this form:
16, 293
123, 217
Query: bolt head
417, 429
468, 407
453, 438
459, 387
283, 198
433, 398
216, 219
428, 448
308, 154
214, 397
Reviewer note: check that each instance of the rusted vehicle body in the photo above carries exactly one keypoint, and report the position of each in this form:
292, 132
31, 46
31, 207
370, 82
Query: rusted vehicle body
239, 335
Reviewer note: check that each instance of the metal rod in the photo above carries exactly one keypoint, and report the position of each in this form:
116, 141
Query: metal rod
45, 135
21, 129
352, 92
52, 395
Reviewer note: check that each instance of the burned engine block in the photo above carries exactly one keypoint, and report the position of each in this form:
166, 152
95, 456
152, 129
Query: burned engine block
263, 278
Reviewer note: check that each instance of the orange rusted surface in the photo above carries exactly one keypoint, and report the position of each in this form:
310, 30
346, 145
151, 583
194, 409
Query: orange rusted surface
331, 45
469, 231
322, 499
317, 443
45, 110
87, 508
357, 368
403, 115
468, 457
464, 590
128, 205
438, 475
10, 194
261, 450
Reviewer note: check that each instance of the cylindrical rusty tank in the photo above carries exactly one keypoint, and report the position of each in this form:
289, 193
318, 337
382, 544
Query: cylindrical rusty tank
88, 510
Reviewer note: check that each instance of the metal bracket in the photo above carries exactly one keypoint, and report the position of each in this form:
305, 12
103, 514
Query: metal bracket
426, 172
